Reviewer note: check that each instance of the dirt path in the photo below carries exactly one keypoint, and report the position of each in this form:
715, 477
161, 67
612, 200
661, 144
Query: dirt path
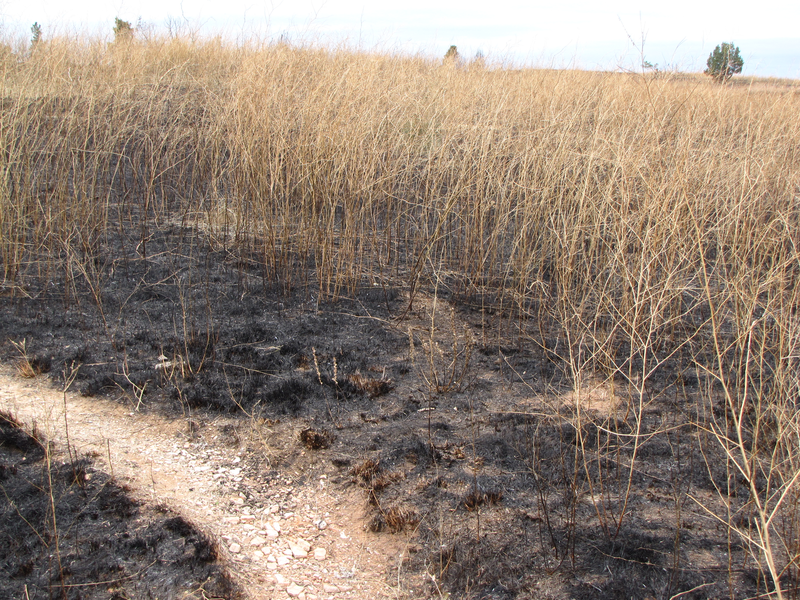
286, 529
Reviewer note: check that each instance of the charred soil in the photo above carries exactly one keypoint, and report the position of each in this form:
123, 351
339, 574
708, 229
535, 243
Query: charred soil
463, 442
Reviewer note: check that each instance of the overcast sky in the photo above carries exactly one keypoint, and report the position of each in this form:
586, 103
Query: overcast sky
581, 33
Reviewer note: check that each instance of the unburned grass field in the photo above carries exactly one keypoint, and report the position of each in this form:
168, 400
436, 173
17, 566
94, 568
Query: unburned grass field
547, 320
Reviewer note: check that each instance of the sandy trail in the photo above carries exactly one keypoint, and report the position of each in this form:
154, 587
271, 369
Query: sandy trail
299, 535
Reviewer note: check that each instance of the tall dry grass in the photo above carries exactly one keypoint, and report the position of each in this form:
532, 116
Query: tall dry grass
618, 222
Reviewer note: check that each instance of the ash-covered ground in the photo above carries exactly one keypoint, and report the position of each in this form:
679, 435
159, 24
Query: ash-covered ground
461, 436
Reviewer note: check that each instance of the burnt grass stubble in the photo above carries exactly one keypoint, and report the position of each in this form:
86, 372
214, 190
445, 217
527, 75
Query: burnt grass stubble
493, 497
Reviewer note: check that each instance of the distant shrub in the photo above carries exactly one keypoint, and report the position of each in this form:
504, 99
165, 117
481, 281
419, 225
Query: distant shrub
724, 62
123, 30
36, 35
452, 54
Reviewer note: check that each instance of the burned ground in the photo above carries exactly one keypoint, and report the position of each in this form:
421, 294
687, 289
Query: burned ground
465, 442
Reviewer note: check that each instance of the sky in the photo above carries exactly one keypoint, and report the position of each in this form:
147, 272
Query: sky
587, 34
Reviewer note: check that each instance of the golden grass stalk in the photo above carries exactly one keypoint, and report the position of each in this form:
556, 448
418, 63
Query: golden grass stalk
636, 221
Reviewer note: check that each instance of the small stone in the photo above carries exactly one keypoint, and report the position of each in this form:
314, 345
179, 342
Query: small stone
271, 558
248, 527
303, 544
345, 588
235, 548
283, 560
258, 541
298, 552
258, 555
231, 520
276, 526
272, 566
271, 532
237, 500
248, 517
330, 589
321, 524
280, 579
320, 553
294, 590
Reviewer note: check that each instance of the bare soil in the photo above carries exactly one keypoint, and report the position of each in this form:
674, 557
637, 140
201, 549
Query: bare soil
71, 531
150, 473
442, 456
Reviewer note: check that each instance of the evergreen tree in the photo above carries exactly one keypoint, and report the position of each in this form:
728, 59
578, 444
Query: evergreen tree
36, 35
123, 30
724, 62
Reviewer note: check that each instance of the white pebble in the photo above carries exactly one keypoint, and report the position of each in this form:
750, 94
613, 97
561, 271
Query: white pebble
294, 590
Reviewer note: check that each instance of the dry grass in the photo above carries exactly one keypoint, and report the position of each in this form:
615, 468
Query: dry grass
620, 223
369, 385
316, 439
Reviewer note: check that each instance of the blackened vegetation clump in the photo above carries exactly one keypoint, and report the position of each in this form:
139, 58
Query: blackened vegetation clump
317, 439
67, 526
390, 516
